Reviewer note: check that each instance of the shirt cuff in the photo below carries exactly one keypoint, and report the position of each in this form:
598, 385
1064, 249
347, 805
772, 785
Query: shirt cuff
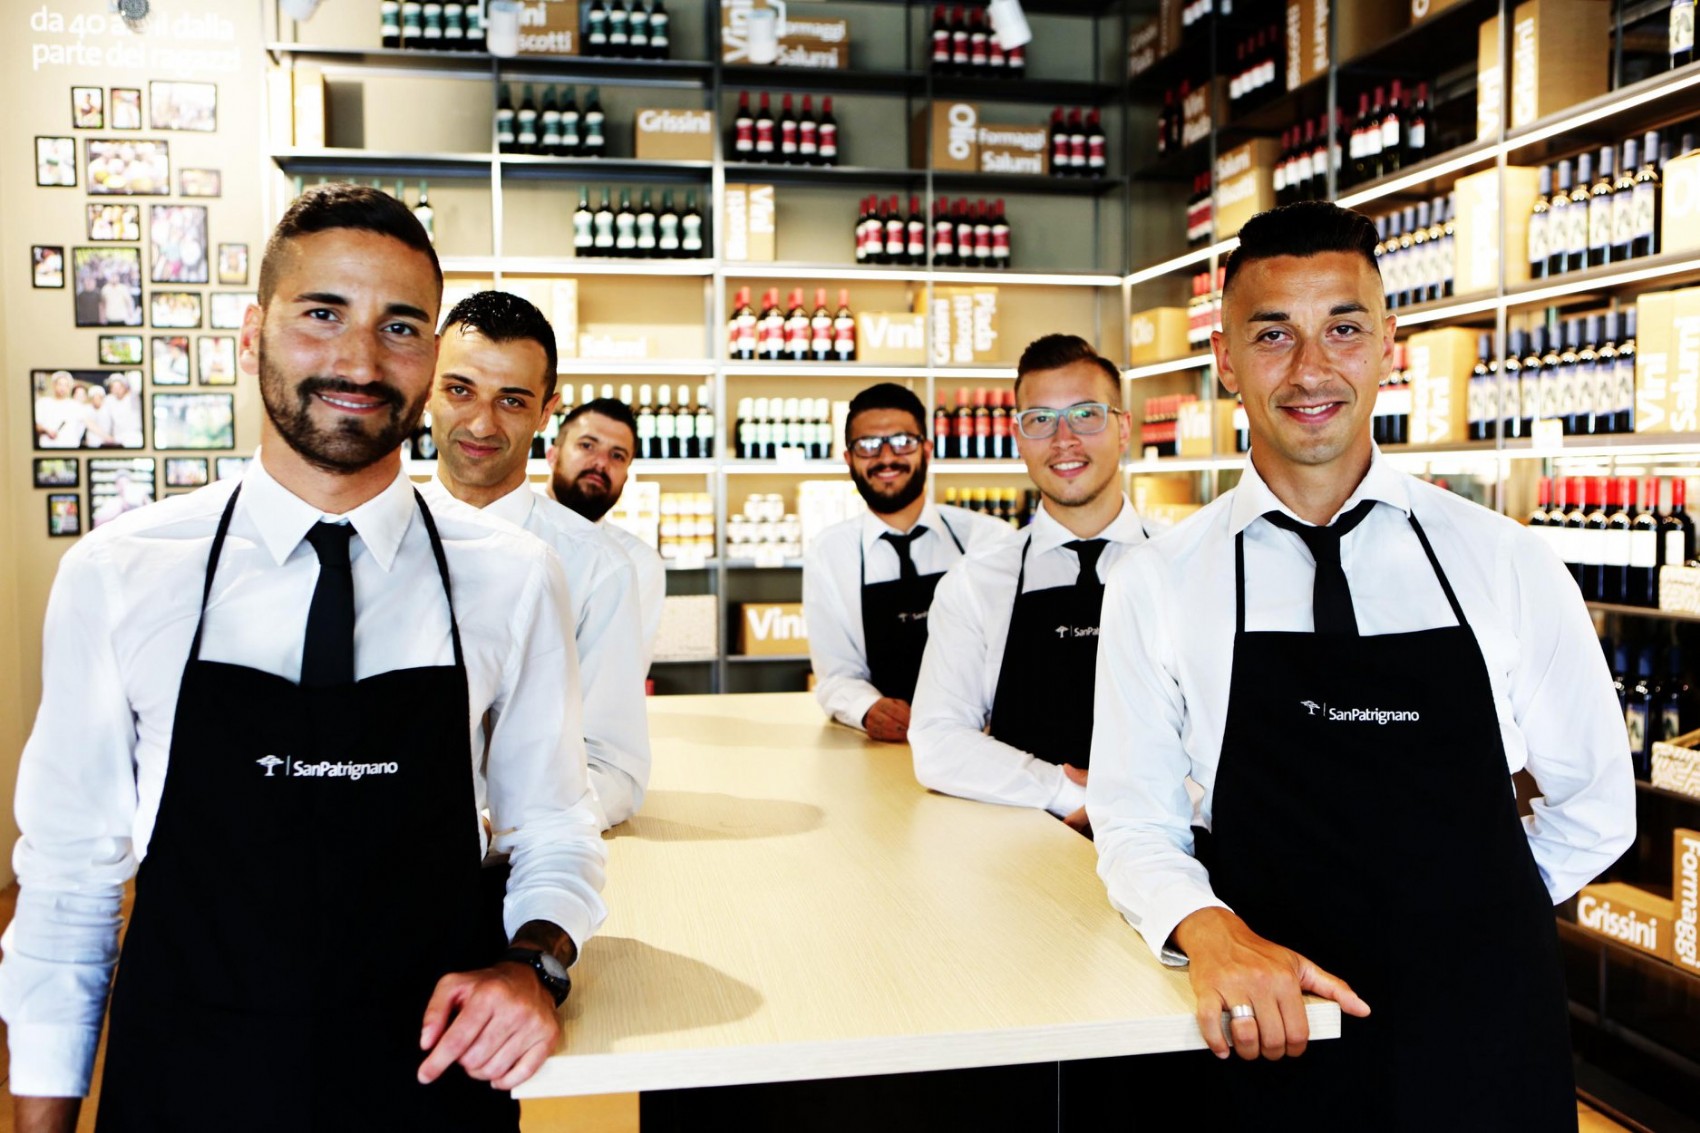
51, 1060
1159, 929
857, 707
1069, 796
570, 916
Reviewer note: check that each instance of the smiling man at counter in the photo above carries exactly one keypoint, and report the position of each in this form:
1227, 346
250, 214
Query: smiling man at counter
868, 582
1396, 653
1013, 632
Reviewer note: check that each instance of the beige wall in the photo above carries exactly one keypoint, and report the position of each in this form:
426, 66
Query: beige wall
202, 40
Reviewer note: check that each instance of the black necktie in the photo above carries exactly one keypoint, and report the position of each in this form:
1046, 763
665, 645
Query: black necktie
1331, 602
327, 657
1088, 550
905, 564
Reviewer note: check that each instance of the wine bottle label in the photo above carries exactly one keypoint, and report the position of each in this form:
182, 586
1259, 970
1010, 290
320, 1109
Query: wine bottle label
646, 426
669, 239
605, 230
685, 425
1681, 26
1538, 238
941, 45
645, 231
664, 422
1644, 210
582, 236
1390, 134
1635, 720
692, 240
788, 137
829, 139
1643, 549
1623, 400
1623, 217
808, 138
764, 136
1418, 137
1599, 222
1676, 548
626, 227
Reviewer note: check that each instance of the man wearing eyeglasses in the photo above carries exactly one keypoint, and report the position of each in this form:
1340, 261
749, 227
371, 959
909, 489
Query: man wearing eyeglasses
1014, 629
868, 582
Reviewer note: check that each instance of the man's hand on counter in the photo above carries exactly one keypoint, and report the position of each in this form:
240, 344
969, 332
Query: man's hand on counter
888, 720
46, 1115
1231, 966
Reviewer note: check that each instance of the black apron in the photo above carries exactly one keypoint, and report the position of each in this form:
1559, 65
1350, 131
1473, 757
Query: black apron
292, 917
1044, 700
1388, 850
894, 626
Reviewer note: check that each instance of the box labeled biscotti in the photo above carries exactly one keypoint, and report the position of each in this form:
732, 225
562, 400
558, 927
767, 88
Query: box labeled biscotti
548, 27
1560, 55
1307, 41
1630, 916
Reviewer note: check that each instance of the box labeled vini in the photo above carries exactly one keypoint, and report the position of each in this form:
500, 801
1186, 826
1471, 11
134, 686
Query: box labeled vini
1437, 366
770, 628
1156, 335
1681, 207
673, 134
1490, 80
751, 218
1206, 428
1307, 41
806, 41
1423, 9
1559, 56
895, 338
1630, 916
1685, 896
1478, 246
1013, 149
1245, 184
548, 27
955, 137
1685, 362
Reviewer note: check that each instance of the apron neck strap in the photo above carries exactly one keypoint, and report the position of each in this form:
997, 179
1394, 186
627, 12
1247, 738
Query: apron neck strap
212, 568
1451, 598
443, 573
952, 533
1021, 572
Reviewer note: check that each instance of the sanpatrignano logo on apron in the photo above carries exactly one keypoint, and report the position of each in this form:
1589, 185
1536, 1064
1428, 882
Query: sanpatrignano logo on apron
324, 769
1361, 715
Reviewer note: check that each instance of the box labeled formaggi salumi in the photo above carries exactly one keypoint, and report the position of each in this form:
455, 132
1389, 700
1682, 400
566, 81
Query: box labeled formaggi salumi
1685, 896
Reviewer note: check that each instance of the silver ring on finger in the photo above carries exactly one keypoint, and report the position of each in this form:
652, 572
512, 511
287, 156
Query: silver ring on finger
1241, 1011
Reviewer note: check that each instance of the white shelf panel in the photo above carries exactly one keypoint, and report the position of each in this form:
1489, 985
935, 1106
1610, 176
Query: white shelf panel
1599, 280
572, 265
782, 468
968, 467
643, 367
1028, 278
1173, 365
756, 270
822, 370
976, 373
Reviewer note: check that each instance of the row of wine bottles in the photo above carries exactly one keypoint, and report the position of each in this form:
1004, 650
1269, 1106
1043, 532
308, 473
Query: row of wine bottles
791, 333
643, 231
1613, 547
1608, 213
1581, 373
1417, 252
964, 235
1655, 707
768, 426
446, 26
790, 139
1078, 145
627, 30
963, 42
557, 128
983, 430
1015, 506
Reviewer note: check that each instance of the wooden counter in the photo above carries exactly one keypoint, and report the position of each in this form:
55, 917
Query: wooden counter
790, 904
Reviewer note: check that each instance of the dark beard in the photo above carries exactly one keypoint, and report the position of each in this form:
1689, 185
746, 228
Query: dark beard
349, 447
881, 504
590, 507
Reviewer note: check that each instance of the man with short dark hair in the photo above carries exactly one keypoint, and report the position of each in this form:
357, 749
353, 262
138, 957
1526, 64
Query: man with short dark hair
1003, 709
266, 694
867, 582
495, 387
589, 464
1397, 652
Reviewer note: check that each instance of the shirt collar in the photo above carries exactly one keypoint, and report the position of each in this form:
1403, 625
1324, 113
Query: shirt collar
1048, 534
283, 518
1253, 498
515, 507
874, 525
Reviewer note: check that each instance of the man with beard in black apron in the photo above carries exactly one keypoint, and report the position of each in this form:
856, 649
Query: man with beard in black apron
1013, 637
868, 581
293, 694
1350, 664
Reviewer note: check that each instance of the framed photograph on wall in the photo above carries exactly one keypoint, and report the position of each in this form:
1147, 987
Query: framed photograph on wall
57, 472
233, 265
230, 467
118, 485
126, 167
120, 350
88, 108
194, 420
178, 236
47, 266
218, 359
228, 307
171, 360
176, 310
109, 286
86, 408
200, 182
114, 222
186, 472
64, 514
126, 108
56, 163
183, 106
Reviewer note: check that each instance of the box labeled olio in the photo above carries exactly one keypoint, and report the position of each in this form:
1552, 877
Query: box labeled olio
767, 628
1630, 916
1245, 184
955, 137
1156, 335
667, 133
1559, 56
1685, 898
1438, 365
1478, 244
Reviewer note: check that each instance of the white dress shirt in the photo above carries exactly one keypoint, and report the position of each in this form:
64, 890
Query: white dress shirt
832, 592
966, 632
1165, 661
604, 621
651, 582
117, 634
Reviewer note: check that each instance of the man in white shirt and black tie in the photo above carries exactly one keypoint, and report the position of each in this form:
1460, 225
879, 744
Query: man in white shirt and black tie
495, 387
288, 698
1003, 709
1351, 663
867, 582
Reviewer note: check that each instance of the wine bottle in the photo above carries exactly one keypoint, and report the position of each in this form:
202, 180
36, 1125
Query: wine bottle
770, 328
1641, 585
1567, 342
389, 23
1558, 222
943, 431
426, 215
1600, 208
1681, 33
625, 221
896, 234
646, 447
647, 241
704, 430
1623, 204
660, 30
684, 425
584, 235
915, 234
844, 330
666, 421
1060, 164
596, 28
572, 136
595, 141
1593, 541
1616, 546
820, 329
1593, 413
1576, 250
1636, 706
1392, 131
1097, 145
765, 145
939, 34
1538, 225
808, 133
525, 123
944, 235
796, 328
743, 329
787, 132
1675, 713
1000, 237
619, 35
1623, 403
1481, 398
1416, 128
667, 227
743, 140
828, 133
506, 140
1677, 527
1646, 226
604, 227
690, 226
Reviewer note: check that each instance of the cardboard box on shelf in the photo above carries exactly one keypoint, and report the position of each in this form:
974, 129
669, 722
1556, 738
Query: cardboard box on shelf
806, 40
1490, 80
964, 324
1423, 9
1144, 47
1157, 335
1681, 204
690, 628
556, 298
895, 338
548, 27
811, 53
312, 123
1361, 27
1685, 362
672, 134
1655, 350
1206, 428
1170, 26
1478, 228
955, 134
769, 628
1628, 915
1685, 896
1245, 184
1307, 41
1560, 55
1438, 365
1201, 108
280, 105
750, 215
1676, 765
1013, 149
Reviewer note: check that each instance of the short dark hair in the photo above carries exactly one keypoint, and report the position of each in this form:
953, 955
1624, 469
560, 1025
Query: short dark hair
887, 395
609, 407
325, 207
1054, 351
1304, 228
502, 316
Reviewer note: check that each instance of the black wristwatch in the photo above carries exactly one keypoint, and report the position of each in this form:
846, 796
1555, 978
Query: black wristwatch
550, 971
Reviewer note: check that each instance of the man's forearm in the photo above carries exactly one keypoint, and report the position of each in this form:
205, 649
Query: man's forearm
46, 1115
551, 938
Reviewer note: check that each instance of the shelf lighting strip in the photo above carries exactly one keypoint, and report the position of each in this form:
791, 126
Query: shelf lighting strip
1167, 266
1615, 105
1483, 152
1599, 282
1173, 366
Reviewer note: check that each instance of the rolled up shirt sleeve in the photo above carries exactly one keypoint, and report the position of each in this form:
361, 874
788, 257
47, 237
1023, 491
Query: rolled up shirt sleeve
836, 654
1136, 797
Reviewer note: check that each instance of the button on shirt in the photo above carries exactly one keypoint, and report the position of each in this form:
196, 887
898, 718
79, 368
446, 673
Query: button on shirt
832, 592
966, 632
608, 631
1165, 660
118, 627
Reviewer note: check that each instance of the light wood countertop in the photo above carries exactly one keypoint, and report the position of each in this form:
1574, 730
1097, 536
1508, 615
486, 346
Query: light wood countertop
789, 903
